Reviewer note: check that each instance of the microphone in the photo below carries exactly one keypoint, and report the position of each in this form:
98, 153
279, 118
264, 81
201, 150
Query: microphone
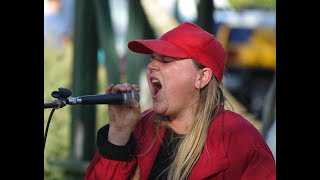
113, 98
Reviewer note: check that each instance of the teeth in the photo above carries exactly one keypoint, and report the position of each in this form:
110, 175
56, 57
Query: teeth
155, 81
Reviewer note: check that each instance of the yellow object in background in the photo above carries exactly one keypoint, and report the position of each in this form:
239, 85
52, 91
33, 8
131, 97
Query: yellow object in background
258, 52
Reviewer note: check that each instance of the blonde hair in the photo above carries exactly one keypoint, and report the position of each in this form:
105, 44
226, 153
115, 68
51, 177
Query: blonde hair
191, 145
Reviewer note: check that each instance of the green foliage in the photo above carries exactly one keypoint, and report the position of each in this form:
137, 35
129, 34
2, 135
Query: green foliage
58, 73
238, 4
57, 64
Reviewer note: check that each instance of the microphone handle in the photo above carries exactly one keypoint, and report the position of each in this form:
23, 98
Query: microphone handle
102, 99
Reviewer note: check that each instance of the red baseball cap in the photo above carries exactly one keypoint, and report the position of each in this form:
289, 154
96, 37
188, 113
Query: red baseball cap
186, 41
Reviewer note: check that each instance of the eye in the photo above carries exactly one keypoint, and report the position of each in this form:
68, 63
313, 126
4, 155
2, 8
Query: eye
152, 57
168, 59
163, 60
159, 59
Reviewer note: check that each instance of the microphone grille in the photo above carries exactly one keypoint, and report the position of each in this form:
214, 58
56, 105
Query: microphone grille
131, 95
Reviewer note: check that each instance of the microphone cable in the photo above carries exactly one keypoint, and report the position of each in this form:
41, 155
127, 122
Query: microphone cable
47, 127
62, 94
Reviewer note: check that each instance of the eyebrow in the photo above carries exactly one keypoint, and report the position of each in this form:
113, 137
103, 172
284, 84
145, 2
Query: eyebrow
152, 56
159, 57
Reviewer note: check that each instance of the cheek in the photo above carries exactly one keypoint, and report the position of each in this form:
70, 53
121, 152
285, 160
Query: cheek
181, 84
180, 79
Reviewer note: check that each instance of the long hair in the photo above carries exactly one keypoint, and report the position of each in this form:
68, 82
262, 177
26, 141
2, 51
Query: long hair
191, 145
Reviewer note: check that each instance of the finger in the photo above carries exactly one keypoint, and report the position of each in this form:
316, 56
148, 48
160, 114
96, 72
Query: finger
127, 86
135, 104
118, 88
109, 88
135, 87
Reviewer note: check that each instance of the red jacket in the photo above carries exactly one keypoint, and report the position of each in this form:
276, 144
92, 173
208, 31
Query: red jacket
234, 150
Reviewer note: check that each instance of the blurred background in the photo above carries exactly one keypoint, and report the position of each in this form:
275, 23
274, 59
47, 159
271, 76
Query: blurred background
85, 49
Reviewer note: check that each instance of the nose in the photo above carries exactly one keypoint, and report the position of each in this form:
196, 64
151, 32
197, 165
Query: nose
153, 65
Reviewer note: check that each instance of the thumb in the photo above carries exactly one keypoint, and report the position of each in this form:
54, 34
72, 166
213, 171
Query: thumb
135, 104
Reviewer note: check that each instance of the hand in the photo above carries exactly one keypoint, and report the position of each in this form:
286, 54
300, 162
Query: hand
122, 118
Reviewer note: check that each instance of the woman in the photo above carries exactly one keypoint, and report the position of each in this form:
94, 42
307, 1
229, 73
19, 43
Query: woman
187, 134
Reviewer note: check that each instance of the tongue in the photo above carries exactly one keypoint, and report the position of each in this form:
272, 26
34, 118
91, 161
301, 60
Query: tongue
156, 90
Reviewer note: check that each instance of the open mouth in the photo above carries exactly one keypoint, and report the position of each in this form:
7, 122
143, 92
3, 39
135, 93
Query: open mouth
156, 86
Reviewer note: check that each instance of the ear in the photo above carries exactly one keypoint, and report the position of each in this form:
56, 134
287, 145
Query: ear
203, 78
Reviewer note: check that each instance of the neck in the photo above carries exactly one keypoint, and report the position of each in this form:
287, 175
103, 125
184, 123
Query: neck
183, 119
182, 123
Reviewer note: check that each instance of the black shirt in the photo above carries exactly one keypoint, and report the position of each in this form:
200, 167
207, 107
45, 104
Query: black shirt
165, 155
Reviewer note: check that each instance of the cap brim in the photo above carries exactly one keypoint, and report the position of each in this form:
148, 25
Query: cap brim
156, 45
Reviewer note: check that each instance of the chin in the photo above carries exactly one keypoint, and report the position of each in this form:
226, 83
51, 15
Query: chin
157, 108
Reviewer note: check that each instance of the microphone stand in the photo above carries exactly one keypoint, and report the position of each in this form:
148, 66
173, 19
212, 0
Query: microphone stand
55, 104
62, 96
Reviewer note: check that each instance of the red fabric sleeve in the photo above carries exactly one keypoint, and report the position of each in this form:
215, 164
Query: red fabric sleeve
102, 168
